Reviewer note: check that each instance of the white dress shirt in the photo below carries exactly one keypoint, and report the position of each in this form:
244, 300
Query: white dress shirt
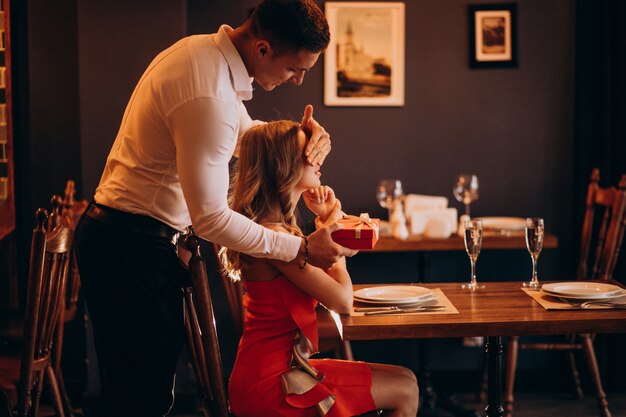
178, 134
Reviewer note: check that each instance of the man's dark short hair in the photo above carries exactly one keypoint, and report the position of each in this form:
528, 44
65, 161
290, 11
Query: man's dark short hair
291, 25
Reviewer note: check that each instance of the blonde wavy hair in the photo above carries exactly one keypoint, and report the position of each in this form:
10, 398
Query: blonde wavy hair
270, 162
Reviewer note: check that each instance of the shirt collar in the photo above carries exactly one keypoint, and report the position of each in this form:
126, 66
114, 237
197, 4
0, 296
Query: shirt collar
241, 80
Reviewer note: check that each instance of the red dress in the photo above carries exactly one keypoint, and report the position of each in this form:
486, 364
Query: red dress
272, 376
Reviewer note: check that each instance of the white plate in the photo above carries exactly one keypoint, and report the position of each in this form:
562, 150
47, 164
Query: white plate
393, 294
610, 297
431, 299
581, 290
503, 223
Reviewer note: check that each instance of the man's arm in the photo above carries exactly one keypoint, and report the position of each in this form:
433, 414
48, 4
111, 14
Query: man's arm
204, 133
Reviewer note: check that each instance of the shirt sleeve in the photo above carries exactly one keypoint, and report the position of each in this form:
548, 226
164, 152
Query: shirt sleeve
245, 123
204, 132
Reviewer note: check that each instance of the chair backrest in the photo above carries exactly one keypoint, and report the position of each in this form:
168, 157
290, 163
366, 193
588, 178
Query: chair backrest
201, 331
234, 293
67, 211
71, 210
48, 268
55, 217
606, 207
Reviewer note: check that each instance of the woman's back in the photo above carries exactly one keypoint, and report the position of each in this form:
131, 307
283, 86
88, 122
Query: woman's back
275, 310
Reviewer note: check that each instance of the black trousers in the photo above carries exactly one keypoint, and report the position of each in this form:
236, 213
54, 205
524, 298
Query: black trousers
131, 283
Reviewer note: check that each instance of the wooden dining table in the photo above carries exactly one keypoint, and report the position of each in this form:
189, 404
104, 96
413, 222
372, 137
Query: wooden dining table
500, 309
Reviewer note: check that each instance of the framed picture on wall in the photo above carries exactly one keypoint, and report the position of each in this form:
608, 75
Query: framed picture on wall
493, 35
364, 62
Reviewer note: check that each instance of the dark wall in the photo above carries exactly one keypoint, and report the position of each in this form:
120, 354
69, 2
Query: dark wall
45, 110
117, 40
207, 16
53, 79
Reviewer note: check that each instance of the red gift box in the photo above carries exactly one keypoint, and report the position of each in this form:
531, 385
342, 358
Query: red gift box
358, 232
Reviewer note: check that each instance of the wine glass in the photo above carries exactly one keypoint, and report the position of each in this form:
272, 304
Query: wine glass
387, 192
466, 190
534, 243
473, 238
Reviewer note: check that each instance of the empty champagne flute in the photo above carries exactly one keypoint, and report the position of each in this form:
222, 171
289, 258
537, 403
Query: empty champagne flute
473, 238
387, 192
534, 243
466, 190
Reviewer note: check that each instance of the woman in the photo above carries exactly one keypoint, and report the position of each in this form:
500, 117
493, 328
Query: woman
272, 375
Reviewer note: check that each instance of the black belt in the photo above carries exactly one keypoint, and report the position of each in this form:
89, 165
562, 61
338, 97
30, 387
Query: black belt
137, 223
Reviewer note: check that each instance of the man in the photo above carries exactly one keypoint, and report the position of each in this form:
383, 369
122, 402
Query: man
168, 168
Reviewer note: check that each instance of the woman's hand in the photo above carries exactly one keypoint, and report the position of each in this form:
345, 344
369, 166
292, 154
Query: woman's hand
321, 201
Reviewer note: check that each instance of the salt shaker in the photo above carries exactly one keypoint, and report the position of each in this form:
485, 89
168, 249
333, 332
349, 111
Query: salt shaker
398, 221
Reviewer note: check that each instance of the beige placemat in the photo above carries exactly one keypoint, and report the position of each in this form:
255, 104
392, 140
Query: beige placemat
441, 300
553, 303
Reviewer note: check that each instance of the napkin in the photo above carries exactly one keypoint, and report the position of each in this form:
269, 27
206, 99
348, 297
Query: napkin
433, 222
414, 202
430, 215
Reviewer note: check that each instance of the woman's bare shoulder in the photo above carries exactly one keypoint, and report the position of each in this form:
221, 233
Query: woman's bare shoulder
259, 270
262, 269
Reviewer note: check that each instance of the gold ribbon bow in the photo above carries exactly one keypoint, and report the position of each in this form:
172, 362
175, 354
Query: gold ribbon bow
364, 218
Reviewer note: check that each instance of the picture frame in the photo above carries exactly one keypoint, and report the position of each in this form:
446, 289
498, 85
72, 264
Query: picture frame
493, 35
364, 61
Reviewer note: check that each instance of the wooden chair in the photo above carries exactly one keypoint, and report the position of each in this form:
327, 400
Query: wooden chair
234, 293
22, 379
71, 211
202, 340
598, 263
67, 211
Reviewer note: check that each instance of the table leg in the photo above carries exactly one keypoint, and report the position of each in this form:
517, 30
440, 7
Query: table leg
429, 397
494, 350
